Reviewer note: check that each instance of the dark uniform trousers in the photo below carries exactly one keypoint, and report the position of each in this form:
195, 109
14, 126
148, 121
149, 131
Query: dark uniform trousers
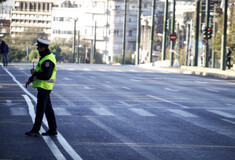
44, 105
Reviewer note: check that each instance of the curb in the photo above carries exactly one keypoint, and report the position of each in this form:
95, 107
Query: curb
209, 72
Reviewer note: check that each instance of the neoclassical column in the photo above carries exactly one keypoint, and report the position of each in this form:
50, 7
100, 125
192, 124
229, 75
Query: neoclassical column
23, 6
28, 6
36, 6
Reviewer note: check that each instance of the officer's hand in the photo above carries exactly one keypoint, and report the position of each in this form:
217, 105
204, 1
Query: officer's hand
33, 71
27, 84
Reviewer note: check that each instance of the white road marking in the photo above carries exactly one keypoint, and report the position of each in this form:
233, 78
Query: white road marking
86, 69
54, 149
86, 87
102, 111
164, 100
124, 103
67, 79
131, 70
1, 87
182, 113
135, 80
107, 82
107, 86
61, 111
145, 153
92, 77
230, 104
142, 112
126, 88
226, 120
201, 82
18, 111
70, 69
174, 90
221, 113
212, 90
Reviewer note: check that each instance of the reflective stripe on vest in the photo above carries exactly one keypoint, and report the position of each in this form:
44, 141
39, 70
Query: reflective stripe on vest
45, 84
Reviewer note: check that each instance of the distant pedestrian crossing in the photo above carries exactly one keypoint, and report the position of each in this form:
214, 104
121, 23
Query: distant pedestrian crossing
133, 110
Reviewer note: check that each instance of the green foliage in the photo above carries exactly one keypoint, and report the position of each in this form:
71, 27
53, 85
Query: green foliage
217, 40
34, 55
16, 54
56, 50
128, 58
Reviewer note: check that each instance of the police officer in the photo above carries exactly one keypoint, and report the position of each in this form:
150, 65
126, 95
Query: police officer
43, 79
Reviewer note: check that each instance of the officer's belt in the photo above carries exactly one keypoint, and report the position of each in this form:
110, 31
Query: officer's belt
48, 81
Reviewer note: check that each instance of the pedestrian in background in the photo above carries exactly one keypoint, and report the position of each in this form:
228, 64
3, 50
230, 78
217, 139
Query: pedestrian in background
4, 51
43, 79
228, 60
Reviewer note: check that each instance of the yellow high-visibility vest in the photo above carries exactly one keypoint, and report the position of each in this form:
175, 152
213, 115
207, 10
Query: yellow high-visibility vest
45, 84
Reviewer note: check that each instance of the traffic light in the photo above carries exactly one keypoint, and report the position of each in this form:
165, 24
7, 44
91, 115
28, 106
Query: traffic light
209, 33
168, 24
204, 32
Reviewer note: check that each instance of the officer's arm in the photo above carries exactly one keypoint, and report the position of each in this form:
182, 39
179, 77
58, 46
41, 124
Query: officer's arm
47, 69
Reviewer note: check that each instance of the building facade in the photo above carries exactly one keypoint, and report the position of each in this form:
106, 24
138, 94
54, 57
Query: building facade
32, 16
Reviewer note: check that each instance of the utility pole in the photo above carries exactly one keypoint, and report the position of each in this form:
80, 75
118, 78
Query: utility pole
94, 46
27, 53
152, 30
78, 43
172, 43
214, 31
187, 44
124, 35
74, 40
224, 36
164, 31
196, 33
138, 35
207, 25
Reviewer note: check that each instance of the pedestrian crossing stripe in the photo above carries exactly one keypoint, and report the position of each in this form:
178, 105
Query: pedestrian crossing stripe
102, 111
221, 113
182, 113
18, 111
142, 112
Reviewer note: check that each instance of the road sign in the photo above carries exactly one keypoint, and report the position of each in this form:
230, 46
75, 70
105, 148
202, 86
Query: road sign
204, 41
173, 37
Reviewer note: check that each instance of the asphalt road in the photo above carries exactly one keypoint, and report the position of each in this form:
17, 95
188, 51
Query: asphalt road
107, 112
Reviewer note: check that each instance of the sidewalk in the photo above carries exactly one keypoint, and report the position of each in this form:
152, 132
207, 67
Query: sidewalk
212, 72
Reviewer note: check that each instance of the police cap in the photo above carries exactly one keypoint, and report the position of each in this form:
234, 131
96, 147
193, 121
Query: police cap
42, 42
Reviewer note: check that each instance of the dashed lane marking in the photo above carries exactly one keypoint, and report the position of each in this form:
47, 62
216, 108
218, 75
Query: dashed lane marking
164, 100
126, 88
61, 111
142, 112
212, 90
173, 90
226, 120
221, 113
102, 111
18, 111
182, 113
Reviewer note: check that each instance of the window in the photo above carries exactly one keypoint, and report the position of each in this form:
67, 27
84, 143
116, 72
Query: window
116, 32
61, 18
130, 33
117, 7
145, 5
